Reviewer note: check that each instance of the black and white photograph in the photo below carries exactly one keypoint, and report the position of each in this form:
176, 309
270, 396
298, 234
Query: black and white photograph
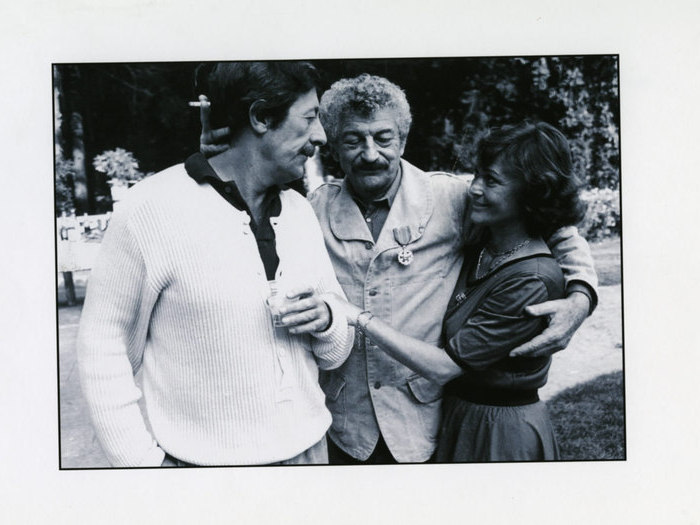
339, 262
310, 263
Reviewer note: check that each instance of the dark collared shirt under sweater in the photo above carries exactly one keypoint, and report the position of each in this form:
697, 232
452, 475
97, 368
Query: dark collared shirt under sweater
201, 171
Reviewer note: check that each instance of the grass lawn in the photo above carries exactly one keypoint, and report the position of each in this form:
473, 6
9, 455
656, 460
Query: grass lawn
589, 419
607, 261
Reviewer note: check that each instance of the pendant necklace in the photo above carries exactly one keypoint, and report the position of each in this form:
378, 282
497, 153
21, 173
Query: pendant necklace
498, 257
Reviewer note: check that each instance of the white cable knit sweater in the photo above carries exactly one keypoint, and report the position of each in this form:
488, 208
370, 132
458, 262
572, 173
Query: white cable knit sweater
179, 289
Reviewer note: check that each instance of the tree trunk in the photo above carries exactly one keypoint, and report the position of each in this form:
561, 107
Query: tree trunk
70, 131
81, 194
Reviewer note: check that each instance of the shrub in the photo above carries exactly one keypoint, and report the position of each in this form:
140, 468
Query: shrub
602, 218
119, 165
579, 95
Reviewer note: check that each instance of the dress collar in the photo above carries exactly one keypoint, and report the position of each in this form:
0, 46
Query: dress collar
535, 248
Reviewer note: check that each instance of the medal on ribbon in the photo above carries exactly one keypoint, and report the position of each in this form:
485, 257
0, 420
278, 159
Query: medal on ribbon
403, 237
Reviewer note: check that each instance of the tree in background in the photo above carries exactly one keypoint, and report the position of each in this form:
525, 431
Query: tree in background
456, 100
587, 91
142, 108
71, 179
577, 94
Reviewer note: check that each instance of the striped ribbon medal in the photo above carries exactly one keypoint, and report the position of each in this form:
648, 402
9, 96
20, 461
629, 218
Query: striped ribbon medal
403, 237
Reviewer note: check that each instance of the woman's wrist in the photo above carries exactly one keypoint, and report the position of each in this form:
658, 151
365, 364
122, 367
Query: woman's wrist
363, 319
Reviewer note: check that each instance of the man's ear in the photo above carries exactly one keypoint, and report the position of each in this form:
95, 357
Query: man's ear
258, 121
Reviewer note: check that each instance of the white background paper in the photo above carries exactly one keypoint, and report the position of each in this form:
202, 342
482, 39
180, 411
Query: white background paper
658, 44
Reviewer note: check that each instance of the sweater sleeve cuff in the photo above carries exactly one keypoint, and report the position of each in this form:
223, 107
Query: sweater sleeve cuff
585, 289
333, 345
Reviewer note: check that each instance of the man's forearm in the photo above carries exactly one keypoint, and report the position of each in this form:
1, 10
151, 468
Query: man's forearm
585, 290
574, 256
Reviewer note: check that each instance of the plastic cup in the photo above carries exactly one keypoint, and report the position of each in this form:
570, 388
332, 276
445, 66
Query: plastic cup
275, 301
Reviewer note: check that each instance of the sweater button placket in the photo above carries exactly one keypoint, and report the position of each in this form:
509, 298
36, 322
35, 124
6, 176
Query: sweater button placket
246, 225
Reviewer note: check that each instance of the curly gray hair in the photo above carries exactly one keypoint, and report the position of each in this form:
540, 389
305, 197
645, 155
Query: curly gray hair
363, 95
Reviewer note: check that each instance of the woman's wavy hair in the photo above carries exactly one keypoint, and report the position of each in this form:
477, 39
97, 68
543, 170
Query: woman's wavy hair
539, 155
233, 86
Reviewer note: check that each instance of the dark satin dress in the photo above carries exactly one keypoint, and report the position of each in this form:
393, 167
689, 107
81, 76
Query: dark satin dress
492, 412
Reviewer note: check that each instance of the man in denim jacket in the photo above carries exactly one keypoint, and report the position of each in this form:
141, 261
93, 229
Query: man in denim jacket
394, 233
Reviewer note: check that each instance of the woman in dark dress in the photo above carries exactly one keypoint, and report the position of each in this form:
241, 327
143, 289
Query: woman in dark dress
523, 191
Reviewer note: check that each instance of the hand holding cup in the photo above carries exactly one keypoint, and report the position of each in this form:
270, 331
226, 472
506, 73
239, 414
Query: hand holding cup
300, 309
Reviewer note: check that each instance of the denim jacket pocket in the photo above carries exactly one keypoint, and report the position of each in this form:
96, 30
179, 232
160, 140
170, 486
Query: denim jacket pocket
333, 385
424, 390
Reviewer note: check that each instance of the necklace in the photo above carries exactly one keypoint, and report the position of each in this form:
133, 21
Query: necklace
498, 257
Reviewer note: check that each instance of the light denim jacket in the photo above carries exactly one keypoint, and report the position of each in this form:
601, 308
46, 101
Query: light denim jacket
371, 392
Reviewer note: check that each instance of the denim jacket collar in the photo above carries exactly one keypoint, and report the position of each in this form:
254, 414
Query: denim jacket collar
412, 207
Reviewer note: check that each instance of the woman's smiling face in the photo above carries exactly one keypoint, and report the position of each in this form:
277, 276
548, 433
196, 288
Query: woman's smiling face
494, 196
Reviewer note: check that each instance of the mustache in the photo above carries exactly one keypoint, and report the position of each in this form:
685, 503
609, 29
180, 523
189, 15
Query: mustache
369, 166
309, 150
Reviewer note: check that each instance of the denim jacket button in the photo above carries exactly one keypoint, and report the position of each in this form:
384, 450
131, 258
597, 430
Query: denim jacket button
377, 385
369, 245
373, 292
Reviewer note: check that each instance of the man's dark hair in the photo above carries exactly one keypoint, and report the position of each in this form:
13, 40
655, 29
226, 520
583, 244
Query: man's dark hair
539, 155
233, 86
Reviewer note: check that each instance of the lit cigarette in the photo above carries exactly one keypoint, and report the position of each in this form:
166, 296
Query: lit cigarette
198, 104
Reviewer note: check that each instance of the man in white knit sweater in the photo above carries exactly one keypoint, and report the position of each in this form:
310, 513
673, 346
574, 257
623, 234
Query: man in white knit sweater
179, 292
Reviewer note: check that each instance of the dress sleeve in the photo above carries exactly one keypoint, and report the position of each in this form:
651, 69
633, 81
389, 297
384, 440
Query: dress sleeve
111, 341
499, 324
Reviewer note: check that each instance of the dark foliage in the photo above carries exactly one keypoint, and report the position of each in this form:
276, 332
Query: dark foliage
142, 107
